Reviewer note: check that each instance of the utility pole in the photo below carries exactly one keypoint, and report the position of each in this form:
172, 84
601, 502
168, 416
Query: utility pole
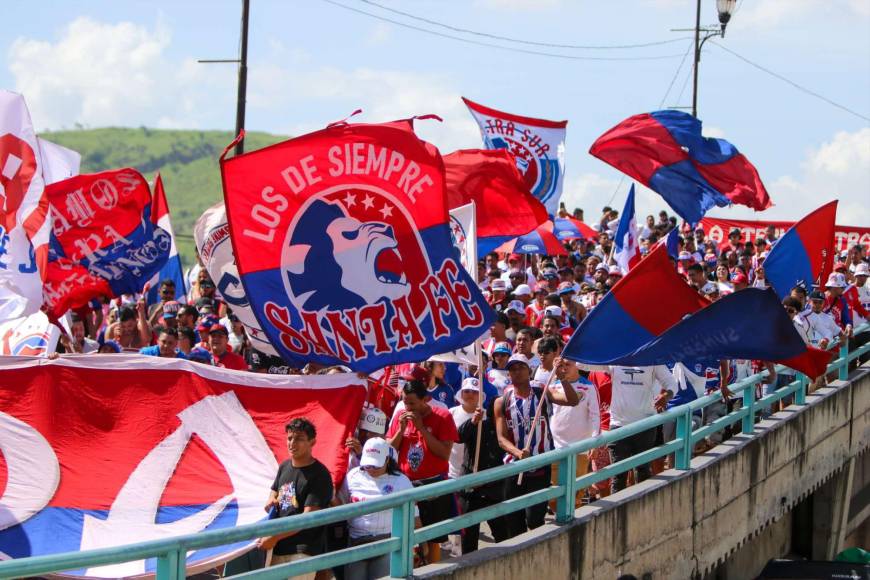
243, 74
697, 60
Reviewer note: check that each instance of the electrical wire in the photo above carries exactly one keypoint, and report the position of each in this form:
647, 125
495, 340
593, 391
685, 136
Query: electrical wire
792, 83
520, 40
498, 46
676, 74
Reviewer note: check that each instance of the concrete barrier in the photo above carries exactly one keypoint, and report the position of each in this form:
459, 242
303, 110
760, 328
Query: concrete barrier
728, 514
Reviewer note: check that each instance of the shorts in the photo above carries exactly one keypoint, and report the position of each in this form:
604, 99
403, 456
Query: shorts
436, 509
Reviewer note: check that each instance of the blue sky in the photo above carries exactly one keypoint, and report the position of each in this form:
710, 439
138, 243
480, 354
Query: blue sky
132, 63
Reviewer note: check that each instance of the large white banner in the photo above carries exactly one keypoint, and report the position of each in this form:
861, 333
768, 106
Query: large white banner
212, 236
23, 223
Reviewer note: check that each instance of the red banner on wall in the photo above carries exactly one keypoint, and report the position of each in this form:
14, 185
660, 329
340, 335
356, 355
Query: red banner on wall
99, 451
844, 236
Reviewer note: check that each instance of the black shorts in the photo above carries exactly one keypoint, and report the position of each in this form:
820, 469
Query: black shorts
436, 509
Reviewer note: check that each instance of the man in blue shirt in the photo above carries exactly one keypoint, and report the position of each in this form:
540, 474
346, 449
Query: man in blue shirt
166, 347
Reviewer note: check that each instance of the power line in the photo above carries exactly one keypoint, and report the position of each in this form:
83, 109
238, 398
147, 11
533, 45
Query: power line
491, 45
520, 40
676, 74
792, 83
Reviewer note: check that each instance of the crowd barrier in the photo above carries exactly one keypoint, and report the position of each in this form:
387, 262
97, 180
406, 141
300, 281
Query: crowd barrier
170, 553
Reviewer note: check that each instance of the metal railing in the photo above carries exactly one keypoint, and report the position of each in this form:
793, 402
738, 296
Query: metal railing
171, 552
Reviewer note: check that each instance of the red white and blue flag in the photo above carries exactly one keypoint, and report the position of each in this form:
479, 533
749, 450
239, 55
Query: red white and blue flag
172, 270
665, 151
342, 241
103, 242
537, 144
24, 229
99, 452
626, 245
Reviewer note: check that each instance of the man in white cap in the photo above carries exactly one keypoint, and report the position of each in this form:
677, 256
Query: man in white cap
467, 396
862, 271
498, 299
514, 417
842, 302
823, 327
516, 313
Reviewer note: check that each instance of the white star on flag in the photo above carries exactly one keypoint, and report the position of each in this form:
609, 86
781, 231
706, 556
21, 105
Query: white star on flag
387, 211
350, 200
368, 202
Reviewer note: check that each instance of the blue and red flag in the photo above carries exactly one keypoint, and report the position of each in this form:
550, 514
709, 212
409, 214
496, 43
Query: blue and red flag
540, 241
491, 180
641, 311
172, 270
626, 244
672, 243
342, 240
804, 255
569, 228
750, 324
538, 146
639, 308
102, 452
103, 242
665, 151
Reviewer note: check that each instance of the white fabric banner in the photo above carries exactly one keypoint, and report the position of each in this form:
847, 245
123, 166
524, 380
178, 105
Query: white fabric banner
30, 335
212, 236
23, 224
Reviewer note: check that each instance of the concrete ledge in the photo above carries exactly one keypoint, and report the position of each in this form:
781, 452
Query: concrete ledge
730, 494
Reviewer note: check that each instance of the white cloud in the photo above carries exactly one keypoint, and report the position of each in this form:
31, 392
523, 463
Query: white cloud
100, 74
383, 95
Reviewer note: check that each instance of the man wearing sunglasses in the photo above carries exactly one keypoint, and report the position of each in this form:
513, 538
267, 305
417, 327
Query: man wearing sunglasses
166, 292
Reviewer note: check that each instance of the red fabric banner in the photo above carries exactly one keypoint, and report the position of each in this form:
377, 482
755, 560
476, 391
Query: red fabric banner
105, 450
844, 236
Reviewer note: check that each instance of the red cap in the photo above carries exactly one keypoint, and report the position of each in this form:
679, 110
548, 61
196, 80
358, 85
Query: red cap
417, 373
516, 257
739, 278
840, 267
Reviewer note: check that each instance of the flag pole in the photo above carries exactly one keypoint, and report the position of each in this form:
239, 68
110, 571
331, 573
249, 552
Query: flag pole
537, 418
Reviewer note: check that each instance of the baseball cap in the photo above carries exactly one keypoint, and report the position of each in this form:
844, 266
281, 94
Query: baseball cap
416, 373
522, 290
375, 453
517, 359
218, 327
566, 288
549, 274
614, 271
502, 348
709, 288
739, 278
733, 232
863, 269
199, 354
816, 295
498, 284
205, 304
170, 309
710, 257
553, 311
469, 384
684, 255
516, 306
514, 257
374, 420
836, 280
601, 267
113, 345
840, 267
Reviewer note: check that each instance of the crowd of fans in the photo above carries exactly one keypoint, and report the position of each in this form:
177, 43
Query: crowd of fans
420, 422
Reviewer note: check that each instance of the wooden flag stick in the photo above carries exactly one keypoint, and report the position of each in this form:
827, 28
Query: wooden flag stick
480, 374
537, 418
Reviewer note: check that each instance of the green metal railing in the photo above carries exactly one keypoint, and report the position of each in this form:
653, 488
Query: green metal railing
171, 553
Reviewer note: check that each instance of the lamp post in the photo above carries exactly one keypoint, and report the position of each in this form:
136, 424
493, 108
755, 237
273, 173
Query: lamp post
725, 9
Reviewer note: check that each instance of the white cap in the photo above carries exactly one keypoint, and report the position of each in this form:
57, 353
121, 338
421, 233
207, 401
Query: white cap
468, 384
498, 284
709, 288
863, 269
515, 305
836, 280
375, 453
373, 419
518, 358
614, 271
523, 290
553, 310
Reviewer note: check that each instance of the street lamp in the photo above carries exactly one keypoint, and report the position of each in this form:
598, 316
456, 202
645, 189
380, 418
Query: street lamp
726, 10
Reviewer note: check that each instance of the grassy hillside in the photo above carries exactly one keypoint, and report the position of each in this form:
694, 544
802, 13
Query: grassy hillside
187, 160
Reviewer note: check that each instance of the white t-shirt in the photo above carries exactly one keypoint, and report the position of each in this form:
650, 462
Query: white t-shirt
542, 375
635, 390
457, 452
864, 299
360, 486
90, 345
822, 325
572, 424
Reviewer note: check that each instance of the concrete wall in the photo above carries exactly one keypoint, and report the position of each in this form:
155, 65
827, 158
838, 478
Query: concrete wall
727, 515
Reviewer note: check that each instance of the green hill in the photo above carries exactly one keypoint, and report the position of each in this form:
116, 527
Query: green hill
187, 160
